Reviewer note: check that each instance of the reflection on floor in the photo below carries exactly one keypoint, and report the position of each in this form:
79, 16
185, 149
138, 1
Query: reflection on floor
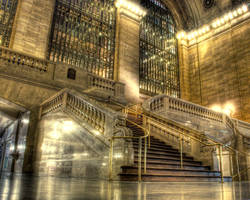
44, 188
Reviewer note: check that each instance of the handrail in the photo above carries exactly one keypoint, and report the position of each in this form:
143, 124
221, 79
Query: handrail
146, 135
214, 143
241, 172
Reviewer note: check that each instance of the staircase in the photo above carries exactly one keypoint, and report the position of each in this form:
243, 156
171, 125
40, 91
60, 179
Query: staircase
163, 163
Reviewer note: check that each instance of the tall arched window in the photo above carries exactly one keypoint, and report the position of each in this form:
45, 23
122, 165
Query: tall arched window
7, 15
159, 69
83, 35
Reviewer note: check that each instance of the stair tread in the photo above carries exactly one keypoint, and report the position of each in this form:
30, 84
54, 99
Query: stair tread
157, 149
164, 175
167, 158
172, 169
165, 154
164, 162
171, 163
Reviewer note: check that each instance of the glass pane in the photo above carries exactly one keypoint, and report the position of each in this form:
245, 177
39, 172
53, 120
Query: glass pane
83, 35
7, 15
159, 69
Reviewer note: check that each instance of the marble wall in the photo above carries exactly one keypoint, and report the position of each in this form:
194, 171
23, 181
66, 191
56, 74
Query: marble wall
14, 141
66, 149
217, 68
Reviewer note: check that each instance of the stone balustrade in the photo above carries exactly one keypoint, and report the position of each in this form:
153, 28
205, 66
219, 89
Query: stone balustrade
86, 112
243, 124
52, 104
84, 109
99, 82
164, 102
23, 60
108, 86
19, 65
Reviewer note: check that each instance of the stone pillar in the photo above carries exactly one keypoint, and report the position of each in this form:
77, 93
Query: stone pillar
127, 59
32, 27
184, 69
248, 165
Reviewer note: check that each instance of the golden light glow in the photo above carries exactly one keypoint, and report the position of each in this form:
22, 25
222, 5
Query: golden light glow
133, 7
25, 121
228, 109
215, 24
55, 135
68, 126
118, 155
96, 132
216, 108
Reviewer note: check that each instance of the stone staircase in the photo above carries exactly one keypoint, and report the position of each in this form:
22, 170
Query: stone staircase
163, 163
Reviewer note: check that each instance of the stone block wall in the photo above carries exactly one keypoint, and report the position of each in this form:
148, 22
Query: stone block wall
32, 27
219, 69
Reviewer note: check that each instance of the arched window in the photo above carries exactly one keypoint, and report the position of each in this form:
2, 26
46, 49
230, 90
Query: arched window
7, 15
83, 35
159, 69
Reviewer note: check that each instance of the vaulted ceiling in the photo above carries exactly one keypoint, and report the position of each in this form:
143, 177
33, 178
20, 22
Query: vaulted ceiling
190, 14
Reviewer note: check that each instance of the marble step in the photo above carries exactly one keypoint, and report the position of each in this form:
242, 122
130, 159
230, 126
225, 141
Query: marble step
169, 171
174, 166
177, 154
168, 159
153, 144
155, 149
173, 178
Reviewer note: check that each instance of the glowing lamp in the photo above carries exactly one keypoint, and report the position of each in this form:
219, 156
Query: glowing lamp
244, 8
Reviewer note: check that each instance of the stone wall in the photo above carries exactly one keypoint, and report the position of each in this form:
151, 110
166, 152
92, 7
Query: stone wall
219, 69
32, 27
66, 149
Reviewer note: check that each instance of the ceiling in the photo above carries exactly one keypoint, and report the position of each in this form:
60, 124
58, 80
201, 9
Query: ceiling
9, 112
190, 14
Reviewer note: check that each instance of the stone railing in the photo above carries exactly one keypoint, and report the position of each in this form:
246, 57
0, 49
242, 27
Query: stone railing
243, 124
97, 117
24, 66
108, 86
23, 60
244, 129
164, 103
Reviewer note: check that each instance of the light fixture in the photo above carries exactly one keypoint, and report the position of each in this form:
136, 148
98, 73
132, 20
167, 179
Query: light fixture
227, 109
215, 24
25, 121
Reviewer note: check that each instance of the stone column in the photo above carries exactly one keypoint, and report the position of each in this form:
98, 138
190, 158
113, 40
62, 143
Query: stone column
184, 69
127, 57
32, 27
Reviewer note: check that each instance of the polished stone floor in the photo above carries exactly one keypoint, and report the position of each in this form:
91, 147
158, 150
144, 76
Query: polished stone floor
43, 188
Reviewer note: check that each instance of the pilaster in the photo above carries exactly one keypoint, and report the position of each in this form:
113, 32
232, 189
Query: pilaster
32, 27
127, 65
